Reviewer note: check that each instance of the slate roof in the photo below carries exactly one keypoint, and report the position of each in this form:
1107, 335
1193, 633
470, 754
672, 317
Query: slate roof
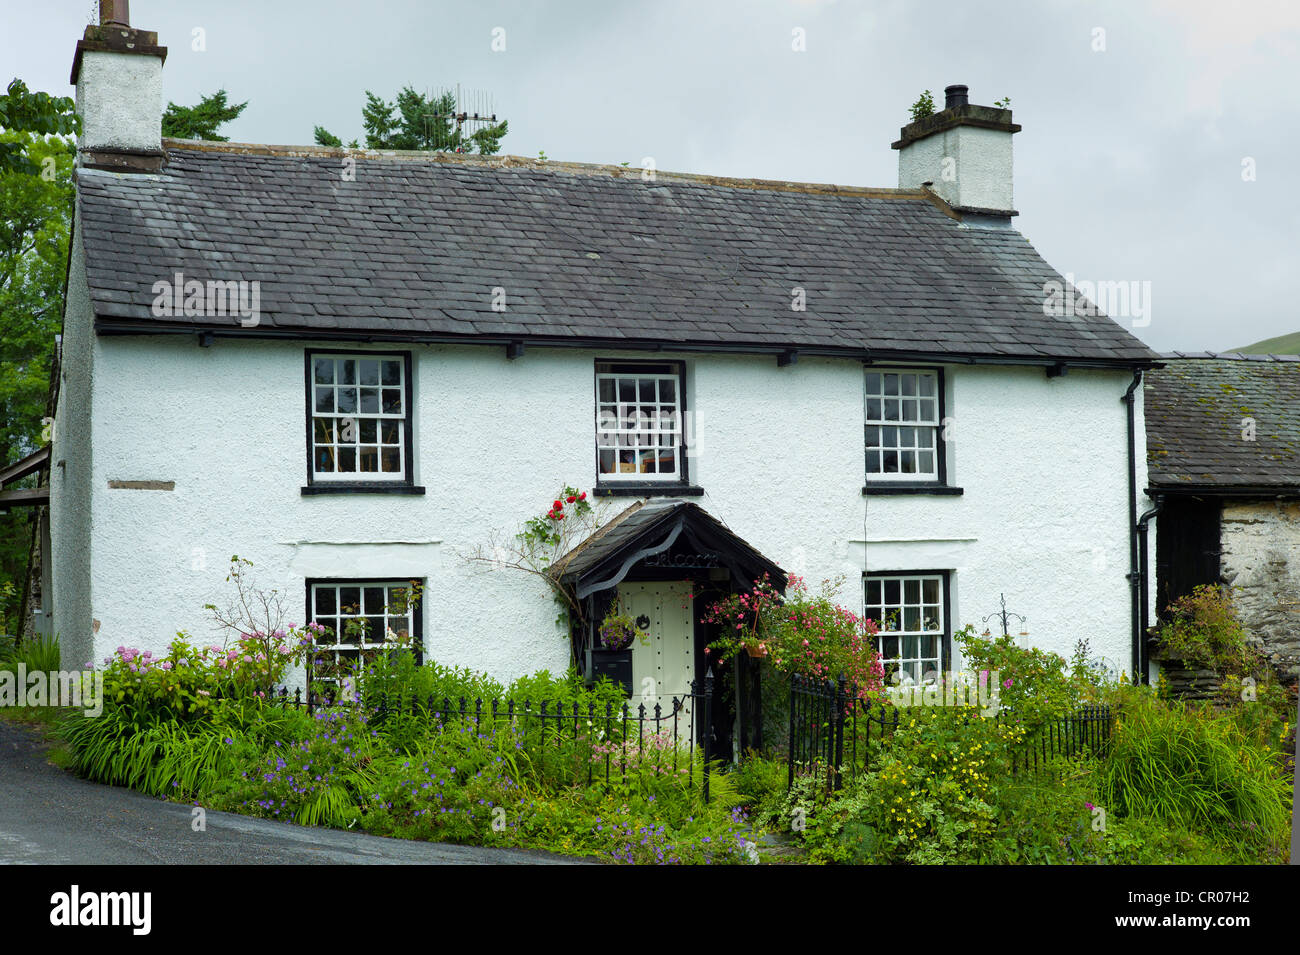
416, 244
607, 553
1194, 410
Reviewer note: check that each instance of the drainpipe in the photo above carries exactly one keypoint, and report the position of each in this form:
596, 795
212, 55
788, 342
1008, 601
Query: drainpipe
1144, 592
1134, 576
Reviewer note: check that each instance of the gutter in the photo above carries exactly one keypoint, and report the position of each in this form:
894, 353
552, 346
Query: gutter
1135, 575
110, 325
1144, 593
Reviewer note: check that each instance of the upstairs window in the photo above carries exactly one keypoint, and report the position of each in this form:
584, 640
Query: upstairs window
639, 436
360, 429
903, 413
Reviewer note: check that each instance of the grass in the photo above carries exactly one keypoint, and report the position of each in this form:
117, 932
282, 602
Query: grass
1281, 345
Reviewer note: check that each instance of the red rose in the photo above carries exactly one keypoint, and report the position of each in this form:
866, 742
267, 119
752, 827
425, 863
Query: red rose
570, 498
582, 496
557, 505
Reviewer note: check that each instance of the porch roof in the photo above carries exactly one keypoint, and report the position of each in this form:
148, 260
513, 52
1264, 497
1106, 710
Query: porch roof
648, 528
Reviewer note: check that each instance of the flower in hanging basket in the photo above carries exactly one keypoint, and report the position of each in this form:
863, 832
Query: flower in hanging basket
617, 631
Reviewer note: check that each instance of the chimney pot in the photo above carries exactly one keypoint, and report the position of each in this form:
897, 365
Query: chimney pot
956, 95
116, 12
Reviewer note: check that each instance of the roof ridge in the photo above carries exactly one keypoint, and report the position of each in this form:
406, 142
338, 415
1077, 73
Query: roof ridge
1229, 356
507, 161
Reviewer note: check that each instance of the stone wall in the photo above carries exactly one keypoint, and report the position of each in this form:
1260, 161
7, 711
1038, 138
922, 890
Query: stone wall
1261, 561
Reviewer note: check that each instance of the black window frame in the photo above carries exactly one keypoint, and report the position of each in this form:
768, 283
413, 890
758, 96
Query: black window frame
946, 577
938, 485
679, 486
417, 612
407, 484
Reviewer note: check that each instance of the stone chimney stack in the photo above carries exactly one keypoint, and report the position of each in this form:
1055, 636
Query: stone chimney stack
963, 153
117, 70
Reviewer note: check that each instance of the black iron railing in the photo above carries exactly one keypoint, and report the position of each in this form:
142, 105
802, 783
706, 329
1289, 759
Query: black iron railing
831, 729
570, 743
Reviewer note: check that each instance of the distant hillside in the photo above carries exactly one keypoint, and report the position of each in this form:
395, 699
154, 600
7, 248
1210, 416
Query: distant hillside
1282, 345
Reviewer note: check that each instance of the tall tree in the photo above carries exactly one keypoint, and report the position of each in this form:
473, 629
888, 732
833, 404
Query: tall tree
35, 219
201, 121
24, 111
415, 121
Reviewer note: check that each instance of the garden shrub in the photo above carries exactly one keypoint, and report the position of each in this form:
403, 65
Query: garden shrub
1184, 764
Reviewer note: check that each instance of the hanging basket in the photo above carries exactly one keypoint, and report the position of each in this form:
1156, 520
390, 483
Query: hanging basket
756, 650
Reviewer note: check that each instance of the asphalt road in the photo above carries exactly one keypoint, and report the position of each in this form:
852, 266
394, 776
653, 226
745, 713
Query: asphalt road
50, 817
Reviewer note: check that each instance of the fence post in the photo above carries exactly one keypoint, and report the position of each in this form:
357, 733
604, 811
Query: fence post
841, 700
708, 726
789, 744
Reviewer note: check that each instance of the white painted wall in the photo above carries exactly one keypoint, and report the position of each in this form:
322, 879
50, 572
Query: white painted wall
979, 174
119, 99
779, 453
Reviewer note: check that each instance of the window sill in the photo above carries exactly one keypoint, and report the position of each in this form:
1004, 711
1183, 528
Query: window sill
311, 490
641, 489
905, 487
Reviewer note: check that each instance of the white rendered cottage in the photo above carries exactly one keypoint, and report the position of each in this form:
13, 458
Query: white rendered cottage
353, 368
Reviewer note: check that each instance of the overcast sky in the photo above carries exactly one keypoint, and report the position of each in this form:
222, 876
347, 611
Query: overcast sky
1129, 166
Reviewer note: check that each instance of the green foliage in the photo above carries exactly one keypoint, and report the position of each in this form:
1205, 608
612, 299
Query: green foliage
923, 107
1203, 629
758, 779
1004, 103
35, 219
414, 121
38, 654
23, 112
1188, 765
1033, 685
203, 120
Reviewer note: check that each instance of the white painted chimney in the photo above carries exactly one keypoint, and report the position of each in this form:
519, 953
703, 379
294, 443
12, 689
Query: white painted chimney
963, 153
117, 70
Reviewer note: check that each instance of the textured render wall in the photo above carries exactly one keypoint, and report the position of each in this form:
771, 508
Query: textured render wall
1261, 560
119, 98
982, 166
779, 454
70, 472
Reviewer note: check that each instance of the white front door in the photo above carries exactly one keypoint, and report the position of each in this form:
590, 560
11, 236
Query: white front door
664, 665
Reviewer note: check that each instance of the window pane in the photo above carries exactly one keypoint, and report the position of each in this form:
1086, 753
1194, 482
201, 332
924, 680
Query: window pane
326, 600
873, 383
323, 370
347, 460
925, 462
369, 459
873, 409
627, 389
605, 389
668, 389
909, 410
347, 403
889, 462
907, 462
324, 400
930, 590
889, 647
370, 401
912, 591
369, 430
324, 430
891, 384
908, 384
606, 459
873, 592
893, 590
373, 599
392, 372
392, 401
668, 462
349, 376
911, 619
392, 460
324, 460
928, 410
647, 389
873, 436
333, 626
368, 368
926, 384
350, 598
892, 412
391, 432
